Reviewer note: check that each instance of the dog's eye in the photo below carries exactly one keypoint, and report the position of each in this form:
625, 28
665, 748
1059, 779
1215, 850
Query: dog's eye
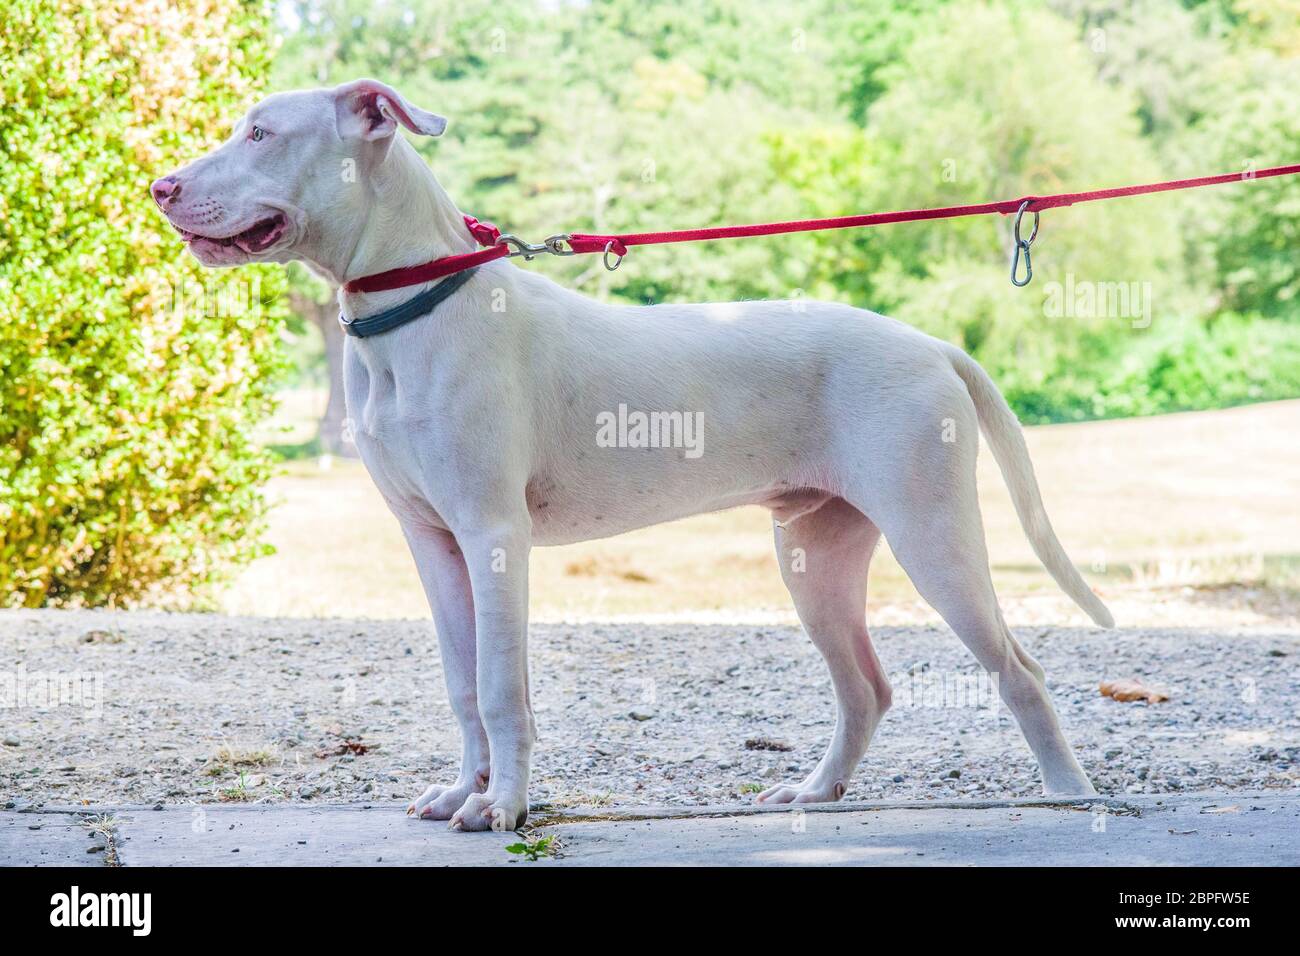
257, 134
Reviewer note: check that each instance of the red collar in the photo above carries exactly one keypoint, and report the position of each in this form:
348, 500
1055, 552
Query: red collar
484, 233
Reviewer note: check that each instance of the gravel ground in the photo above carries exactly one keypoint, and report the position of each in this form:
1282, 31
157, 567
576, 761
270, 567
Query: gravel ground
199, 708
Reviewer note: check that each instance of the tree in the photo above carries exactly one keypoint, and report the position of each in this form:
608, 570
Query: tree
129, 379
617, 115
604, 116
313, 300
1171, 58
601, 117
975, 109
1248, 233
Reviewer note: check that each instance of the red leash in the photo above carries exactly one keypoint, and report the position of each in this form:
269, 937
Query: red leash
500, 246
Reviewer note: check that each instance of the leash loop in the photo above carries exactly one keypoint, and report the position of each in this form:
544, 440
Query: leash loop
1022, 246
609, 247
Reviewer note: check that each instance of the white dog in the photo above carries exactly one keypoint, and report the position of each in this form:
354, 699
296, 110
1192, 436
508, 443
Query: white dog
515, 414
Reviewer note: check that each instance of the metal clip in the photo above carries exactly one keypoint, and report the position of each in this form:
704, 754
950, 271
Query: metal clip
558, 244
553, 245
1022, 245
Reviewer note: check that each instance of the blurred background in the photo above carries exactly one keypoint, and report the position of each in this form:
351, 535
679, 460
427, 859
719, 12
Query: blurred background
176, 438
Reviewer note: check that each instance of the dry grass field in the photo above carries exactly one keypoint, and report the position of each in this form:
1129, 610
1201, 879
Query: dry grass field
1187, 519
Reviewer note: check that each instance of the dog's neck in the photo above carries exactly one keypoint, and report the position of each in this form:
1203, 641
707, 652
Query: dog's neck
408, 219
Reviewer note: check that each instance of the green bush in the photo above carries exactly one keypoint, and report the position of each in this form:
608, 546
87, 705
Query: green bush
1248, 233
1184, 366
129, 379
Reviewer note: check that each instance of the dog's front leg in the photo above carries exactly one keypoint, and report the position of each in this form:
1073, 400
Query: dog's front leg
496, 555
446, 583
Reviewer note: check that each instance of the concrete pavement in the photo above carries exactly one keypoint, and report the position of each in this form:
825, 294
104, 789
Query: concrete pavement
1240, 829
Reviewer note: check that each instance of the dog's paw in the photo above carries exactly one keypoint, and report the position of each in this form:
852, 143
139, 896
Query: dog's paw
486, 811
807, 792
440, 803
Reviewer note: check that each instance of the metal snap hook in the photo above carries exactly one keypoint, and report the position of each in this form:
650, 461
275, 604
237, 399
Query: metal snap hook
520, 247
559, 244
1022, 246
1015, 266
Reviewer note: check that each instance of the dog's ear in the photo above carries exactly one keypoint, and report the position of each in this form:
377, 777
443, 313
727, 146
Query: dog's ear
370, 110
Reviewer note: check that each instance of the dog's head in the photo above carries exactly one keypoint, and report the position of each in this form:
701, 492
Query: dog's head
289, 168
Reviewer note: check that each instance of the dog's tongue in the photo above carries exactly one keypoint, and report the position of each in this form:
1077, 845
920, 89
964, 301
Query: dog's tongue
260, 236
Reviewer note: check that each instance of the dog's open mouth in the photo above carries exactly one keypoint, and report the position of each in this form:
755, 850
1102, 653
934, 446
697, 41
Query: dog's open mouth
256, 238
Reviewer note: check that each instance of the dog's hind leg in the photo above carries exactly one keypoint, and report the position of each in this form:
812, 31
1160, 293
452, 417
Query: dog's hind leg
824, 555
930, 515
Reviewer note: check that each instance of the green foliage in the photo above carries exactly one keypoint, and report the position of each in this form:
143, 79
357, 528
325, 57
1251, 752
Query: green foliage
971, 110
1171, 59
1187, 365
981, 100
533, 850
877, 32
622, 116
612, 116
1248, 235
129, 378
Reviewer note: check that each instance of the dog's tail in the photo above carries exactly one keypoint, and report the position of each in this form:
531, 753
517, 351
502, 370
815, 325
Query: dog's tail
1002, 429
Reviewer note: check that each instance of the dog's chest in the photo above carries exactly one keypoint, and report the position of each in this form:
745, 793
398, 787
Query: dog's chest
397, 432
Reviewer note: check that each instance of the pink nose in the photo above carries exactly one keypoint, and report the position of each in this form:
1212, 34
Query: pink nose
165, 191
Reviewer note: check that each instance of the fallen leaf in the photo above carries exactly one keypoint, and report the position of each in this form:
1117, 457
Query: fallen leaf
1132, 689
347, 747
1232, 809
